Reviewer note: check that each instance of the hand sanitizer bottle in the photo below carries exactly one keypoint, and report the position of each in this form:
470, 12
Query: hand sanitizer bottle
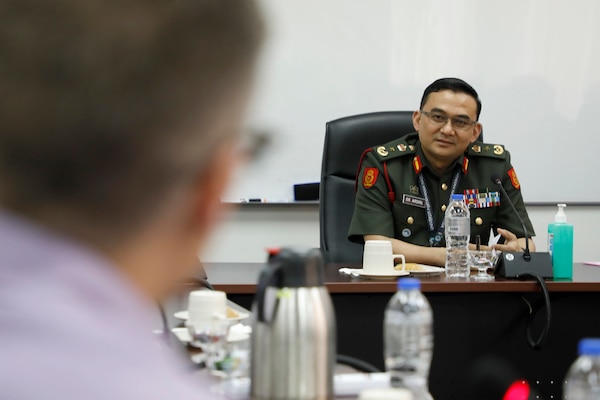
560, 245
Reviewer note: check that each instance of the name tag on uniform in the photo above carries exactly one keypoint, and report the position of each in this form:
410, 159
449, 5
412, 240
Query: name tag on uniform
413, 201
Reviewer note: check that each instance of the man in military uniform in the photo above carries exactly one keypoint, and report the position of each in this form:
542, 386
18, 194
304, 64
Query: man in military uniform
405, 185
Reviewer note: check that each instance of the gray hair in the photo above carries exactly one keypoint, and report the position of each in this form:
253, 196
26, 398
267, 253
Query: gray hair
95, 98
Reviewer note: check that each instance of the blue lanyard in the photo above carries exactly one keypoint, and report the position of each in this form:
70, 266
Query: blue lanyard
435, 236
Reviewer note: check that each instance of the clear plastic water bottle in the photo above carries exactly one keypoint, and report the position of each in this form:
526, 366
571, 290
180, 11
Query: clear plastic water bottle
408, 339
583, 379
458, 232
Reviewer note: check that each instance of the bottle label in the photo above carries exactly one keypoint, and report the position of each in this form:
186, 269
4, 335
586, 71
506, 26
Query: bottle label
453, 230
550, 243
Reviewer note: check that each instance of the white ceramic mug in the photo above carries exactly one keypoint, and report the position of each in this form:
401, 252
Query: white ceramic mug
205, 305
378, 258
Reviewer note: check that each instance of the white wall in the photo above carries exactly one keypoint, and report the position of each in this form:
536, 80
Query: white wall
324, 60
250, 229
534, 63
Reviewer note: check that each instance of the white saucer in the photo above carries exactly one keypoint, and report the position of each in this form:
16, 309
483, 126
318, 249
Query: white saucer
371, 275
428, 270
236, 333
184, 315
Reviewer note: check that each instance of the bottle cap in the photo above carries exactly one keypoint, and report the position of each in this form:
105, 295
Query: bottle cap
589, 347
458, 197
409, 284
560, 215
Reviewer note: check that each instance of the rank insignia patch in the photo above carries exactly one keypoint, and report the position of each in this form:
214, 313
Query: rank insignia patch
513, 179
465, 165
417, 165
370, 177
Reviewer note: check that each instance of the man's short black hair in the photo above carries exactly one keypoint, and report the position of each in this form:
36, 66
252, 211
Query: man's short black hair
454, 84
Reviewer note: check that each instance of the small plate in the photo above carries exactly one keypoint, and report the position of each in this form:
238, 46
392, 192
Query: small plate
428, 270
183, 315
394, 274
236, 333
182, 334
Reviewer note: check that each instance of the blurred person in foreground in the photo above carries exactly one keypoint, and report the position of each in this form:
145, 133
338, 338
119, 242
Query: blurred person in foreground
119, 129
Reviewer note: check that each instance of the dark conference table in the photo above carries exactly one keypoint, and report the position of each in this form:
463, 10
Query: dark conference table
471, 319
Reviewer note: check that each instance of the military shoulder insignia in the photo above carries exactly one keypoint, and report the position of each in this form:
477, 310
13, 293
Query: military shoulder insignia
370, 177
513, 179
382, 151
487, 150
394, 149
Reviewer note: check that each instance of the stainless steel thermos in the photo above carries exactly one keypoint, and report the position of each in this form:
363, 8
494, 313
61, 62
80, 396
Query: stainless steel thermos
293, 337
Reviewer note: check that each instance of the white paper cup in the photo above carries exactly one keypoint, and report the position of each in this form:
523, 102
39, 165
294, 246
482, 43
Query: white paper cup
205, 305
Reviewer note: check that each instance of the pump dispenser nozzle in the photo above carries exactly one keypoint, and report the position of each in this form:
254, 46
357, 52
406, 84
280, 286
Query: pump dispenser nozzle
560, 215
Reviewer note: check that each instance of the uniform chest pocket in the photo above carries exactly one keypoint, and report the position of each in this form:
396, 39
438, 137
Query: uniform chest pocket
410, 223
482, 220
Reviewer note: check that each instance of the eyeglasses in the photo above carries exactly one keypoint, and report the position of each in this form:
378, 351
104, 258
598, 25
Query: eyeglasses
458, 123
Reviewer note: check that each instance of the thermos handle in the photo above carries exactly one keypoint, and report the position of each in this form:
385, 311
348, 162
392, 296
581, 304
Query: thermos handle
267, 278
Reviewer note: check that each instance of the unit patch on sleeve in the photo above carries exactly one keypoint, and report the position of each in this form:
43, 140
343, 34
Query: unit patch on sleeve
513, 179
370, 177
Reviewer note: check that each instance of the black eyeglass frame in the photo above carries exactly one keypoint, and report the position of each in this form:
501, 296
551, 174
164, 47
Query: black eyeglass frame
458, 123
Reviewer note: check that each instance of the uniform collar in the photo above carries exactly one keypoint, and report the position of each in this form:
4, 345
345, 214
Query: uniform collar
460, 161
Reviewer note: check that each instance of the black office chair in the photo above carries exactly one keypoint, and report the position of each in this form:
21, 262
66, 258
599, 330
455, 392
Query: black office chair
345, 140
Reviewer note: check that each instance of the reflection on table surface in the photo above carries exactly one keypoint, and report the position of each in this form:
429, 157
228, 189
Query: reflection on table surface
241, 278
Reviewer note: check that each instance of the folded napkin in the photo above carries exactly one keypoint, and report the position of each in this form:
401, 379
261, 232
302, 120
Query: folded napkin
350, 271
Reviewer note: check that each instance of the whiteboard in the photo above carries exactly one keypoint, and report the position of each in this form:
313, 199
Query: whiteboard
535, 64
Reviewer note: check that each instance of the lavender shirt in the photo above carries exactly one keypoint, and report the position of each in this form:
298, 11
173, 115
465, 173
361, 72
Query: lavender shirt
72, 327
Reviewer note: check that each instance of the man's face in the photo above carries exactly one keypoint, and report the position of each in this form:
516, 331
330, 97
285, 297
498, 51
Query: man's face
442, 143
